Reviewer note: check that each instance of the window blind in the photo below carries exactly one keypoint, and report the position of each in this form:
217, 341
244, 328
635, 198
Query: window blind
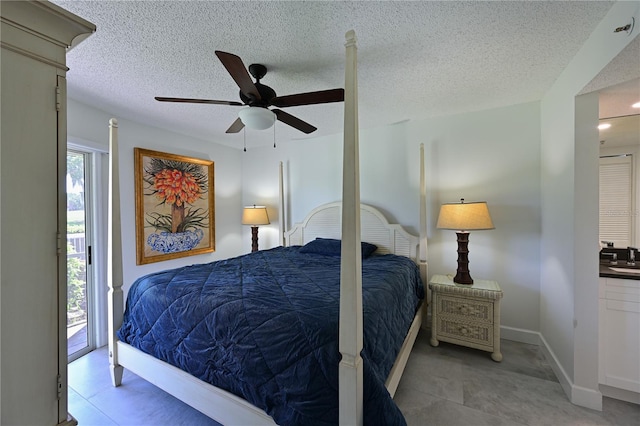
616, 200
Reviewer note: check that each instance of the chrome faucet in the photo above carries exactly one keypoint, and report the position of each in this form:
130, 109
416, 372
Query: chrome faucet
632, 256
613, 258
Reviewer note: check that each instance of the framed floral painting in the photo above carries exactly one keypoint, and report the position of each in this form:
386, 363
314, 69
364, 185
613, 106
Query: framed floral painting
175, 214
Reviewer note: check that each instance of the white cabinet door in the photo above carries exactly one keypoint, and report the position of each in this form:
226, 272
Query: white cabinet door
619, 333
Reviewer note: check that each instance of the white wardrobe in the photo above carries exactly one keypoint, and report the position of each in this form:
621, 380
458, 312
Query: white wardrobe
33, 359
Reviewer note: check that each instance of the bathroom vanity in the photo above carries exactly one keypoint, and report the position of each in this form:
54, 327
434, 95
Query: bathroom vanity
619, 331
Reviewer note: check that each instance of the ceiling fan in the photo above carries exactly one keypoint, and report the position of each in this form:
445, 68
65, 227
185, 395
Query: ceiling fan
258, 97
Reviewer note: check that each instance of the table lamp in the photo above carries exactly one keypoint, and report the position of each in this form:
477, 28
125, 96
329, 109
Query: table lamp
254, 216
463, 217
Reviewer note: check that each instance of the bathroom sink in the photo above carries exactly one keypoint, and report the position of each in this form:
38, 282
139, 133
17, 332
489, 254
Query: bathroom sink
629, 269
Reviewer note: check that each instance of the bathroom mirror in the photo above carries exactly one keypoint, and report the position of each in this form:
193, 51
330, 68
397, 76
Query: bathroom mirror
619, 188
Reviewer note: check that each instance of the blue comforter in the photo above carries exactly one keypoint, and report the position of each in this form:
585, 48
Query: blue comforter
264, 326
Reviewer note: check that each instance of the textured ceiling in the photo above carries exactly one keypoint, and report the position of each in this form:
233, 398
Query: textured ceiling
416, 59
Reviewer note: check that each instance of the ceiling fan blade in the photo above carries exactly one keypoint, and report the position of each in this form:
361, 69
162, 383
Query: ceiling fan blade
198, 101
236, 126
292, 121
239, 73
309, 98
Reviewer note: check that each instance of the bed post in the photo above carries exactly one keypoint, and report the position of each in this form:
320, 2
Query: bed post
281, 206
423, 224
114, 255
350, 371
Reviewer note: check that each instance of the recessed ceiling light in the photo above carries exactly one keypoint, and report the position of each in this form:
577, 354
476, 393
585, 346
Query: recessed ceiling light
604, 126
636, 105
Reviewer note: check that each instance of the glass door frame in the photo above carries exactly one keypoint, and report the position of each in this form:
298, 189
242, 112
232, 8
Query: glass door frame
88, 187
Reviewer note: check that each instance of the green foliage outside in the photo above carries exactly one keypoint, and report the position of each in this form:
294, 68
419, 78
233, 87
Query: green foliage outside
75, 222
75, 171
76, 293
75, 201
75, 168
76, 268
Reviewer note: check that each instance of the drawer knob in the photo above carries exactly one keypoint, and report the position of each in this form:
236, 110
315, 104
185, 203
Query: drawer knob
464, 309
464, 330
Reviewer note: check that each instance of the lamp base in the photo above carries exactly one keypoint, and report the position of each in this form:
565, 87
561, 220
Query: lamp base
462, 273
463, 277
254, 238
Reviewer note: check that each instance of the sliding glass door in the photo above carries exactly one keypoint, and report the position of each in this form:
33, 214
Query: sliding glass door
80, 334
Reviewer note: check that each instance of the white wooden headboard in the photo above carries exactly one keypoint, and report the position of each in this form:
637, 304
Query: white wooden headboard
325, 221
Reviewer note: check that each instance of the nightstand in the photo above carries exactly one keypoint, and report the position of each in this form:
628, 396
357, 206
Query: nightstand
467, 315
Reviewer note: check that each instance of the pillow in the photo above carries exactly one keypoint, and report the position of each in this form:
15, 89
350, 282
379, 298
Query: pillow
331, 247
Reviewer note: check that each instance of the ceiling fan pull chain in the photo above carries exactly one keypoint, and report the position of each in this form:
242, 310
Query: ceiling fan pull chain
274, 135
244, 136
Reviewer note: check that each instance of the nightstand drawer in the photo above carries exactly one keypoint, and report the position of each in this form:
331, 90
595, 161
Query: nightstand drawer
474, 333
465, 309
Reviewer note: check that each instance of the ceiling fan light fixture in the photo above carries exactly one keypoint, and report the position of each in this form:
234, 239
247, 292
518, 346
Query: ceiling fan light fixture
257, 118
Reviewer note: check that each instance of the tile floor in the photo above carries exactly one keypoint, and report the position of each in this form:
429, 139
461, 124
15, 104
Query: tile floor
447, 385
452, 385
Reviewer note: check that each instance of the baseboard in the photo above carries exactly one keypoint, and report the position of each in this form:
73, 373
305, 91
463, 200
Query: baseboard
621, 394
520, 335
70, 421
584, 397
561, 375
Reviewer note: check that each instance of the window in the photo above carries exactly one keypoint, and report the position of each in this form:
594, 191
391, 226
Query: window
616, 199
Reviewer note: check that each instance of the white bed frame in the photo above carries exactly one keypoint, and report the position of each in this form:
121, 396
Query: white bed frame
341, 220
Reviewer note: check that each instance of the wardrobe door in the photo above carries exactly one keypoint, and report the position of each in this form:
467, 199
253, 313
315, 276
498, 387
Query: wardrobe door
29, 224
33, 382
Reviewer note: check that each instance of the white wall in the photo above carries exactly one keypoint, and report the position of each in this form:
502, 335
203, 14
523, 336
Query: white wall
567, 315
490, 155
89, 126
586, 261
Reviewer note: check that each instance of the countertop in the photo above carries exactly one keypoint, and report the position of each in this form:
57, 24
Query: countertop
605, 271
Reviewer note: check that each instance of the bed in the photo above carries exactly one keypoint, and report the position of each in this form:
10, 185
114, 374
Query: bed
334, 299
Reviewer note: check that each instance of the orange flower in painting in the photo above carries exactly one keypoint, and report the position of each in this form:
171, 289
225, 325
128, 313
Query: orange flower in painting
176, 187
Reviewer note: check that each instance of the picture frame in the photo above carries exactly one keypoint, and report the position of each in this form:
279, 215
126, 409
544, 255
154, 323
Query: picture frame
175, 206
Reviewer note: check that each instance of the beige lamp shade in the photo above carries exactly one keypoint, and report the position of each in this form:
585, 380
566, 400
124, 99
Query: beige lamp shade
465, 216
255, 215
